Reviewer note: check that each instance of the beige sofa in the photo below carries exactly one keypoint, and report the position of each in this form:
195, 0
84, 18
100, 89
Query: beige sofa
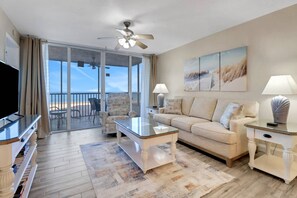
199, 126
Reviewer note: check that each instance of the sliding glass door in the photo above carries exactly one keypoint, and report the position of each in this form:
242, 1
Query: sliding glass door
57, 67
85, 88
76, 78
136, 83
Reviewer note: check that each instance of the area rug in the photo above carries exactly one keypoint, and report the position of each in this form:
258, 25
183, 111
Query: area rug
114, 174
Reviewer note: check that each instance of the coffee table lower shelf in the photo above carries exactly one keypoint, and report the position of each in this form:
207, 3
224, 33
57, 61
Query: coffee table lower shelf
156, 156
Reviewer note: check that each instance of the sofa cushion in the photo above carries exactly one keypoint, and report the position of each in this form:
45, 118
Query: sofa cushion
187, 104
203, 107
250, 108
214, 131
186, 122
165, 118
173, 106
111, 119
231, 110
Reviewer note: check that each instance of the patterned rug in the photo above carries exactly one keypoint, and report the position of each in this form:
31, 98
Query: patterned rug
114, 174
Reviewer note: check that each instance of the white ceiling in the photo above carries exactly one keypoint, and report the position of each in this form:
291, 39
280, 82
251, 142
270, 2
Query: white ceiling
172, 22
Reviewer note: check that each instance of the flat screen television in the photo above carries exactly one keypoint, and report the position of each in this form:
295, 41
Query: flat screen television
9, 82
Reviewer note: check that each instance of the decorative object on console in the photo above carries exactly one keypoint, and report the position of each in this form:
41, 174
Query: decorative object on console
160, 89
280, 85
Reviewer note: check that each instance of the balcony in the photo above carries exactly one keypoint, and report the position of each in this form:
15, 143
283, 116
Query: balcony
82, 116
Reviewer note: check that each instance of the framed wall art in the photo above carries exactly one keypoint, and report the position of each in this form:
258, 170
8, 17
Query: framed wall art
234, 69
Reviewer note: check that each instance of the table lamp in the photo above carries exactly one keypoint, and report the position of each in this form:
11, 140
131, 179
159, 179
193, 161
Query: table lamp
160, 89
280, 85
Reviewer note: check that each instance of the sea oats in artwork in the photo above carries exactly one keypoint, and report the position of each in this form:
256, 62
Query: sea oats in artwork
191, 75
234, 70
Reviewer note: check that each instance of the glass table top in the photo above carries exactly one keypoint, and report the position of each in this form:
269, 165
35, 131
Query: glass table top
144, 128
14, 131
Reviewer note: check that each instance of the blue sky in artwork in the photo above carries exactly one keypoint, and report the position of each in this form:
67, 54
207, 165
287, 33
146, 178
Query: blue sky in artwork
85, 79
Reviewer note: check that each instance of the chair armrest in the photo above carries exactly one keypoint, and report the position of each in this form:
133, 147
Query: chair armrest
162, 110
132, 114
238, 124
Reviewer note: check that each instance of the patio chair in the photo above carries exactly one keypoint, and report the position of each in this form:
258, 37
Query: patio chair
95, 107
118, 108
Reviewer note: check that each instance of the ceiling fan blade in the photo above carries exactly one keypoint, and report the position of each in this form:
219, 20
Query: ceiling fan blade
124, 33
143, 36
140, 44
117, 47
107, 37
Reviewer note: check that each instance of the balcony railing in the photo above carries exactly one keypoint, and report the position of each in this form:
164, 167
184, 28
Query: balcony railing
80, 106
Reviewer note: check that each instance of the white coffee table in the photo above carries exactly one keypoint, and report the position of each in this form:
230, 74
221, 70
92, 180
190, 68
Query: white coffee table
144, 136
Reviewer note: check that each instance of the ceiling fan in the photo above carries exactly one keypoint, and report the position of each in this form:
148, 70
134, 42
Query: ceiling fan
129, 39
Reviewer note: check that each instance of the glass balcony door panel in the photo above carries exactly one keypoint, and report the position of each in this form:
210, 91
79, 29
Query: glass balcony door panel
116, 74
85, 73
57, 66
136, 84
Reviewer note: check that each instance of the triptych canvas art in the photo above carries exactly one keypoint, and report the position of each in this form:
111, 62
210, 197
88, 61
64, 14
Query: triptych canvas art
221, 71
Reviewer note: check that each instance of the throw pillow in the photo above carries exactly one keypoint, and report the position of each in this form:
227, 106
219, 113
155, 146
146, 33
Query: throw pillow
232, 109
173, 106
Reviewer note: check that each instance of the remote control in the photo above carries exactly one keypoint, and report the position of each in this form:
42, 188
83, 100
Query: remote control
272, 124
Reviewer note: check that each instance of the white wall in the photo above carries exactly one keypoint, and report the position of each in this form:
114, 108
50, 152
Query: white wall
6, 27
272, 50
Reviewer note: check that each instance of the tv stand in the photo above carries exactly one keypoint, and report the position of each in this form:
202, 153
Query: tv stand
14, 137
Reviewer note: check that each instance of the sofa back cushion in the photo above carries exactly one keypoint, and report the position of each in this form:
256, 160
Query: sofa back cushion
203, 107
250, 108
187, 104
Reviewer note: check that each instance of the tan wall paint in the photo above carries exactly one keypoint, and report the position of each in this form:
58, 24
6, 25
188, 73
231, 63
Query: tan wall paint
6, 27
272, 50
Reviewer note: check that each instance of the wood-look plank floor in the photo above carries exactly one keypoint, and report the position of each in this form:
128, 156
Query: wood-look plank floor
62, 172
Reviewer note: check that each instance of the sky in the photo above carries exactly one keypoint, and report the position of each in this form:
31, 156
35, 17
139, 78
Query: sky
85, 79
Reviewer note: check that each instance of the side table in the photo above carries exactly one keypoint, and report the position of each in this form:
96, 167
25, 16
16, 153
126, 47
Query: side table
284, 134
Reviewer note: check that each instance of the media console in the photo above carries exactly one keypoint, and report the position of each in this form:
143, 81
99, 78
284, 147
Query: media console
18, 157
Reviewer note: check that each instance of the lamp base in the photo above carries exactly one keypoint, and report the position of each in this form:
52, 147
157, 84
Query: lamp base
280, 108
160, 99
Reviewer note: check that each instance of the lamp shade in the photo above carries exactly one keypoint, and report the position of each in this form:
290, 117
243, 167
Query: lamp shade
280, 85
160, 88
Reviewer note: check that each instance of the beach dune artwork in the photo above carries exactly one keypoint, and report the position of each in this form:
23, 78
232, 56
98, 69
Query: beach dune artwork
191, 75
210, 72
234, 69
220, 71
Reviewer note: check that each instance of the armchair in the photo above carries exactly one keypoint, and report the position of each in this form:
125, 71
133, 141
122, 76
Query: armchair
118, 108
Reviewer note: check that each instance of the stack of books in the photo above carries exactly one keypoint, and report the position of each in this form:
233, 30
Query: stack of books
22, 185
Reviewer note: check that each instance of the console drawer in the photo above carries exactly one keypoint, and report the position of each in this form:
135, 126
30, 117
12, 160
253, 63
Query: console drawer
266, 136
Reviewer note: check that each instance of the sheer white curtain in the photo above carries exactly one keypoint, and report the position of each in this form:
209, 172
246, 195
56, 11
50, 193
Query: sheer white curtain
145, 85
46, 70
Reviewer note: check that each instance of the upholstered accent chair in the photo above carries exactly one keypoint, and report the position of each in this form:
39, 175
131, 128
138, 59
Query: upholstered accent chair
118, 108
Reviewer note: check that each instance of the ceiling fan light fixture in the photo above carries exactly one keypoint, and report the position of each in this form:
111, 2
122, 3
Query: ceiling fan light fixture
126, 45
132, 42
122, 41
